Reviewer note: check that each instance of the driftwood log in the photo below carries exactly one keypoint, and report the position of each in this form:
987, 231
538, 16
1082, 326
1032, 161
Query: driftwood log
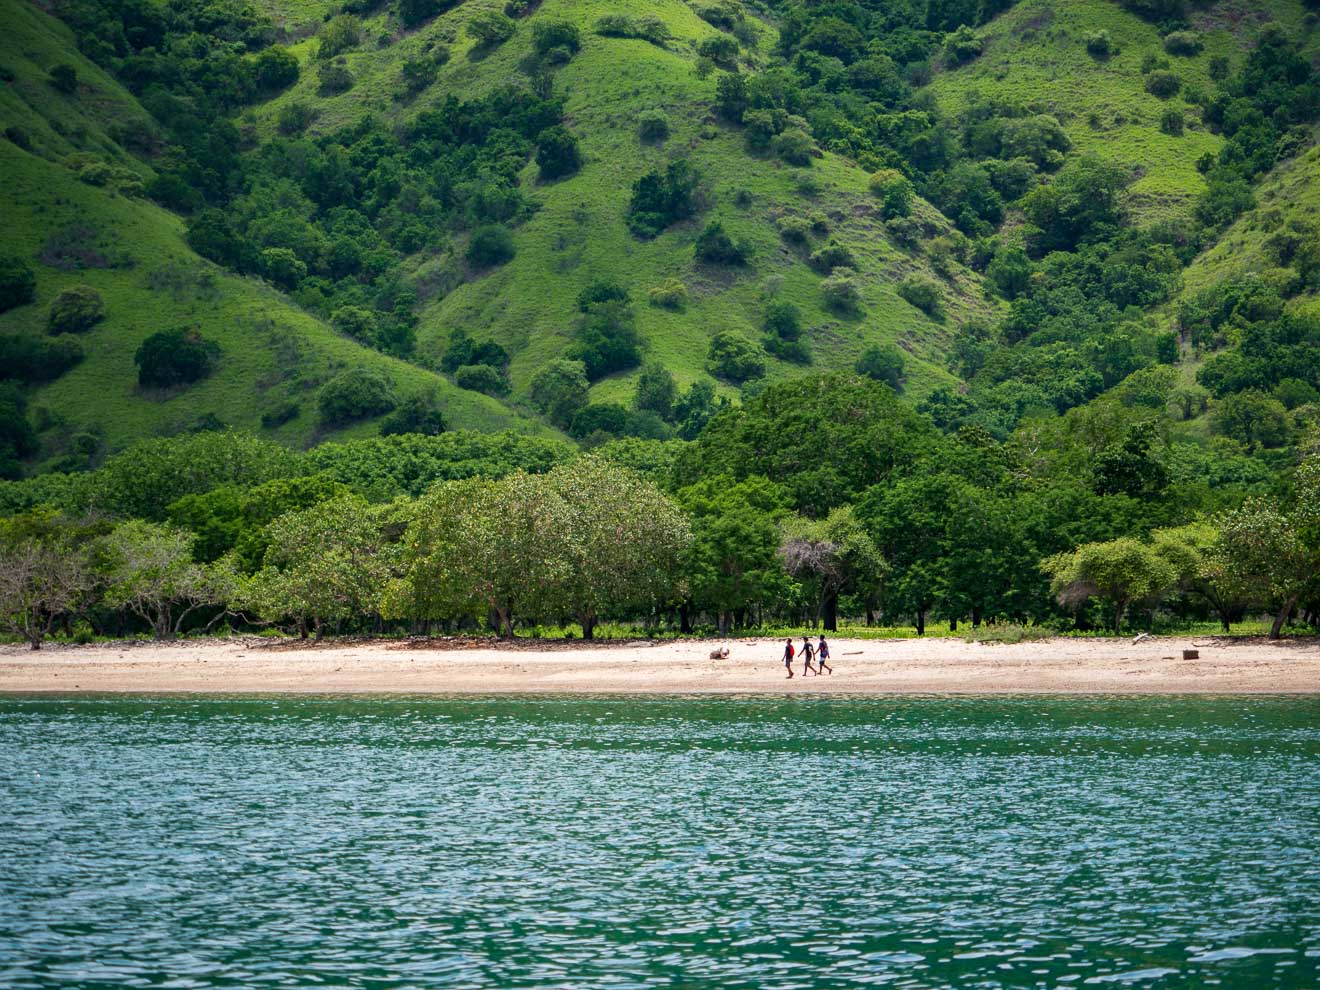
1191, 654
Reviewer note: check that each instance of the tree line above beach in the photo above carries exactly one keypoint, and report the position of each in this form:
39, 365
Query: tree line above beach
819, 498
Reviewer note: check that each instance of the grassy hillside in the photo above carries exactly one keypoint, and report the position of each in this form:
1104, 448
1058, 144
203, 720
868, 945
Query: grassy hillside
578, 236
1288, 195
133, 253
100, 117
1036, 55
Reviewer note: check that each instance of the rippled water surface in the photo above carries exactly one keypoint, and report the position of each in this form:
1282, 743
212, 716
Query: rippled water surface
617, 843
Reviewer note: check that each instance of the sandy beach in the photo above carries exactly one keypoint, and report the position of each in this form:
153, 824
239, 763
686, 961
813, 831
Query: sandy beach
861, 667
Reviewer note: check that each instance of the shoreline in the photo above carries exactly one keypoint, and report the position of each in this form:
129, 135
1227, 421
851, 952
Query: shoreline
683, 667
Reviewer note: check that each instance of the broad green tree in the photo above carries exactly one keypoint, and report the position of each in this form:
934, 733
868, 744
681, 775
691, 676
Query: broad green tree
834, 555
626, 541
150, 571
1190, 550
1271, 557
1121, 572
484, 546
734, 561
44, 574
322, 564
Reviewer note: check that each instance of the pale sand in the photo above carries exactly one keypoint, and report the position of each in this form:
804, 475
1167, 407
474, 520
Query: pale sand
860, 667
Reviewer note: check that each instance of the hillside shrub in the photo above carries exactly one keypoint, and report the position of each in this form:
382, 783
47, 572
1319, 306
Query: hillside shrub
795, 230
1163, 83
832, 255
656, 391
357, 393
963, 45
670, 294
730, 95
559, 390
293, 119
490, 245
782, 320
64, 77
481, 378
551, 34
840, 292
1172, 122
614, 26
606, 339
276, 68
18, 283
924, 295
715, 247
1099, 45
557, 153
33, 359
490, 28
333, 78
792, 351
652, 126
179, 356
883, 363
75, 310
285, 412
418, 73
1184, 43
282, 268
1219, 68
719, 48
419, 414
734, 358
339, 35
660, 199
894, 191
413, 12
794, 146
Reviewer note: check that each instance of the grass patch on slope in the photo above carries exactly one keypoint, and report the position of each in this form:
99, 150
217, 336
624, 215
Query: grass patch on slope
1290, 192
577, 235
1036, 55
135, 256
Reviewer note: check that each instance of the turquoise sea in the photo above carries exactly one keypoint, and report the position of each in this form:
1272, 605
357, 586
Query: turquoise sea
617, 843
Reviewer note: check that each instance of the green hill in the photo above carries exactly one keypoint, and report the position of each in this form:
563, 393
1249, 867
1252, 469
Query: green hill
1036, 55
1287, 198
577, 235
273, 354
339, 160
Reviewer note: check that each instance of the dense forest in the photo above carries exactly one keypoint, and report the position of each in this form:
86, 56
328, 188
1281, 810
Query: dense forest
731, 315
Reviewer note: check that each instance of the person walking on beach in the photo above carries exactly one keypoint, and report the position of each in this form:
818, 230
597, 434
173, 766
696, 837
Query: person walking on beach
822, 655
806, 658
788, 657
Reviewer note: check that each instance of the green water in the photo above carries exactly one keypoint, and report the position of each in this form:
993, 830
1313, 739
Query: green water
620, 843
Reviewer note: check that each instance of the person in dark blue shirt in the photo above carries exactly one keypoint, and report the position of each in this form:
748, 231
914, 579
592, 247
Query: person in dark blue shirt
806, 657
823, 655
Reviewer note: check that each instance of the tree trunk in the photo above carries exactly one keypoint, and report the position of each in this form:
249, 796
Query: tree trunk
1119, 606
724, 622
302, 627
976, 618
320, 629
34, 641
832, 612
1281, 619
870, 616
953, 624
921, 622
588, 626
685, 618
